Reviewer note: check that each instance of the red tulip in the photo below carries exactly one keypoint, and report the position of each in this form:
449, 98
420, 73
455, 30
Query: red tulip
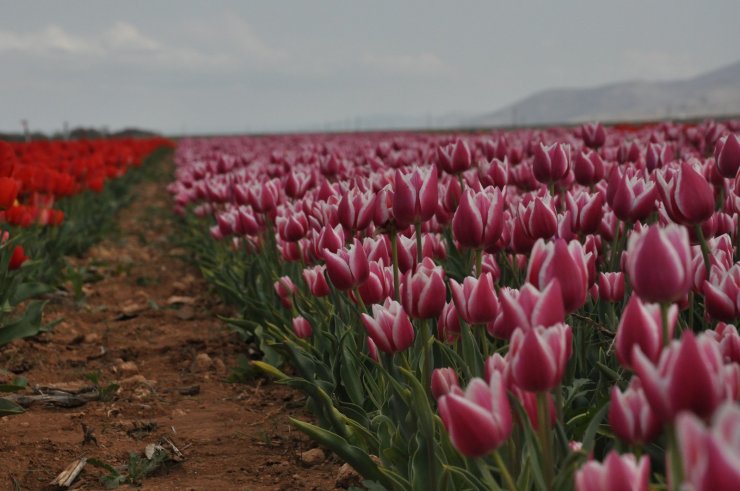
641, 326
687, 196
347, 268
539, 355
415, 196
688, 377
389, 327
424, 293
527, 308
9, 189
18, 258
711, 455
478, 221
475, 299
630, 415
302, 328
727, 155
659, 263
617, 473
551, 163
566, 262
479, 420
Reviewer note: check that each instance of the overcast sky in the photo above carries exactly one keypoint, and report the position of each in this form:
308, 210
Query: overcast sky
215, 66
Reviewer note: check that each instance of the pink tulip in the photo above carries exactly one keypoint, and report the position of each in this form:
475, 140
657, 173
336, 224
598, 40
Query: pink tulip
347, 268
527, 308
297, 183
494, 173
585, 211
285, 289
711, 455
247, 223
630, 415
657, 155
687, 196
444, 381
379, 284
617, 473
478, 221
727, 155
292, 226
424, 293
316, 281
611, 286
475, 299
687, 377
539, 355
455, 158
479, 420
389, 327
729, 341
356, 209
330, 239
551, 163
593, 135
448, 324
659, 263
372, 350
383, 212
302, 328
630, 195
588, 168
538, 219
566, 262
415, 196
641, 326
264, 196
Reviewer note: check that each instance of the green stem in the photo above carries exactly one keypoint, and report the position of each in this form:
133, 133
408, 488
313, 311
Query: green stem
427, 360
664, 318
419, 255
359, 300
487, 476
676, 464
478, 262
504, 470
704, 248
543, 414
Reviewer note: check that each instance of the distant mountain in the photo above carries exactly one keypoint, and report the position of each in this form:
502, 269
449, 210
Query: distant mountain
716, 93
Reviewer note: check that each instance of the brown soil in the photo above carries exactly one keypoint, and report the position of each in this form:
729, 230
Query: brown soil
159, 349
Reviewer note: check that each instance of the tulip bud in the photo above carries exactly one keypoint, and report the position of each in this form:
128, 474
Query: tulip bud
302, 328
611, 286
593, 134
527, 308
539, 356
641, 326
630, 415
444, 381
389, 327
618, 472
588, 168
285, 289
631, 196
415, 196
356, 209
478, 221
379, 284
727, 155
565, 262
316, 281
347, 268
551, 163
455, 158
424, 293
475, 299
479, 420
687, 196
448, 324
659, 263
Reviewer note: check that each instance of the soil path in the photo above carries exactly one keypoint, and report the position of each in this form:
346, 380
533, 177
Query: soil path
171, 358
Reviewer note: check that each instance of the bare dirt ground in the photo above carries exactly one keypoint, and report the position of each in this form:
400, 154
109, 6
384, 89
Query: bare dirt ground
171, 358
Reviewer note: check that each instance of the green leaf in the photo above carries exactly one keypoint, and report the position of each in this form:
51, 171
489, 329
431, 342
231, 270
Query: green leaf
24, 291
28, 325
8, 407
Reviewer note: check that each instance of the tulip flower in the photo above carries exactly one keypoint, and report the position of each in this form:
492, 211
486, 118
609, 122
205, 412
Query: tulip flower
588, 168
9, 189
593, 135
727, 155
617, 473
383, 208
494, 173
641, 326
316, 281
448, 324
687, 196
722, 294
657, 155
729, 341
379, 284
527, 308
246, 222
301, 327
630, 195
687, 377
585, 211
444, 381
659, 263
297, 183
389, 327
415, 196
264, 196
710, 455
292, 226
285, 289
478, 221
479, 420
475, 299
356, 209
347, 269
423, 293
538, 356
630, 415
551, 163
455, 158
538, 219
566, 262
611, 286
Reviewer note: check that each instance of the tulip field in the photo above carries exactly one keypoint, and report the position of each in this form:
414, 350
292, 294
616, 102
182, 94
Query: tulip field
55, 200
530, 309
